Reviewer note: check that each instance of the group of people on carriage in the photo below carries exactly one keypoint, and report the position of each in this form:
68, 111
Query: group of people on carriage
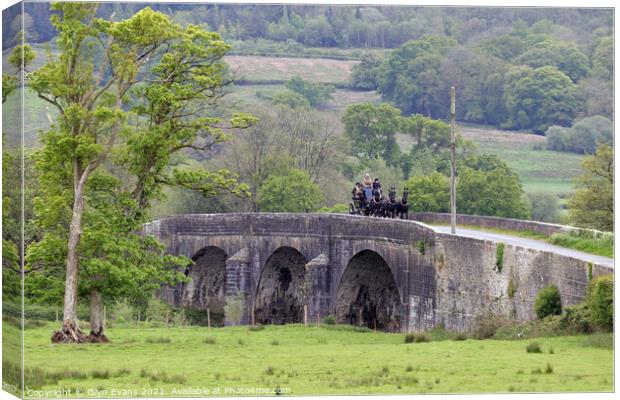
368, 200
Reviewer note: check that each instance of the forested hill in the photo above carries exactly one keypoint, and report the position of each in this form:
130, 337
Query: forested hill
514, 68
344, 26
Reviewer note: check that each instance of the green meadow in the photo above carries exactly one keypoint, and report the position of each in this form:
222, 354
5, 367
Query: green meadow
312, 360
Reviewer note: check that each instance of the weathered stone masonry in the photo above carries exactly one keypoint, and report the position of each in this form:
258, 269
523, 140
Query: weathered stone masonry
393, 274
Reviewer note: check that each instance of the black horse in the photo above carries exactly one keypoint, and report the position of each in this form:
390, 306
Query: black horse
402, 208
375, 207
390, 205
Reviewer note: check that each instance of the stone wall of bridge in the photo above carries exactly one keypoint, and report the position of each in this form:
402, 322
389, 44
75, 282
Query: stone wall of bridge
392, 274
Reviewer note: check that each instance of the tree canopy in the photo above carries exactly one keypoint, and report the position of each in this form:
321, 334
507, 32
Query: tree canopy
592, 205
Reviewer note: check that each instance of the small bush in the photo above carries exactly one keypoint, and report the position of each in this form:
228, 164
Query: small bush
533, 347
122, 372
409, 338
240, 342
485, 325
499, 256
329, 320
601, 301
409, 368
512, 289
421, 248
421, 338
577, 319
275, 342
549, 369
209, 340
551, 351
103, 374
270, 371
256, 328
548, 302
460, 336
158, 313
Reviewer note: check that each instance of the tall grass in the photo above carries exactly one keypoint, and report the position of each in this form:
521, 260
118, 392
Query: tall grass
601, 244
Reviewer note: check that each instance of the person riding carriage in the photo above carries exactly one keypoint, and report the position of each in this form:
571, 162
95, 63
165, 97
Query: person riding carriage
367, 199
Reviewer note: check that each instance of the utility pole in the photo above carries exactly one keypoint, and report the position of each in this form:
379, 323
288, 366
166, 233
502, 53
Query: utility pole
453, 161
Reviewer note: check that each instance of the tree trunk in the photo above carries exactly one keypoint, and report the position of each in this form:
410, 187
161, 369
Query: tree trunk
96, 318
70, 332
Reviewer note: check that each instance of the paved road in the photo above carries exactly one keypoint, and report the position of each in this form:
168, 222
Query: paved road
529, 243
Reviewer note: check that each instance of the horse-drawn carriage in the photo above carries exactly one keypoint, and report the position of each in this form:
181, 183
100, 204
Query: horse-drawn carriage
373, 203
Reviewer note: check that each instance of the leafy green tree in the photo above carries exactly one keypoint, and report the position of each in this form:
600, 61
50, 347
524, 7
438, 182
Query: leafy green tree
601, 301
429, 193
592, 204
371, 130
364, 74
548, 302
318, 32
292, 191
544, 206
428, 133
541, 97
583, 137
409, 77
92, 91
603, 58
290, 99
479, 79
315, 93
566, 58
487, 186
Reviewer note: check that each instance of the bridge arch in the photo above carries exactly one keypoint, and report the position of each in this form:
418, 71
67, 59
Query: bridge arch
279, 293
206, 288
367, 294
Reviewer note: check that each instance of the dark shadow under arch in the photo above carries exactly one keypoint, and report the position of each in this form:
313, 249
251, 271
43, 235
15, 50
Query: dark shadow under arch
279, 295
207, 285
367, 294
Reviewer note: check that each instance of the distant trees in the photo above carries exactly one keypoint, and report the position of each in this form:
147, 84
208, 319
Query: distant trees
544, 206
583, 137
372, 131
410, 76
315, 93
364, 74
486, 185
538, 98
286, 138
592, 205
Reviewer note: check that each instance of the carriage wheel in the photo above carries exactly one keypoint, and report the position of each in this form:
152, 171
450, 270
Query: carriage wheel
352, 209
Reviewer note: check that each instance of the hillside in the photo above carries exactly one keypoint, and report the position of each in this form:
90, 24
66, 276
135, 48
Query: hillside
540, 170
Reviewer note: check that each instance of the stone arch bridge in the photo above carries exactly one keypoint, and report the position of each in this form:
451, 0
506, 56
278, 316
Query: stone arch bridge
392, 275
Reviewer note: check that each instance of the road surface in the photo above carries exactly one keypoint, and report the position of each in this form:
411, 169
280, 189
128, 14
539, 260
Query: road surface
529, 243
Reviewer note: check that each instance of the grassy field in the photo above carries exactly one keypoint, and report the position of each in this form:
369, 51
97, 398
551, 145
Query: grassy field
247, 96
283, 68
540, 170
35, 117
308, 360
